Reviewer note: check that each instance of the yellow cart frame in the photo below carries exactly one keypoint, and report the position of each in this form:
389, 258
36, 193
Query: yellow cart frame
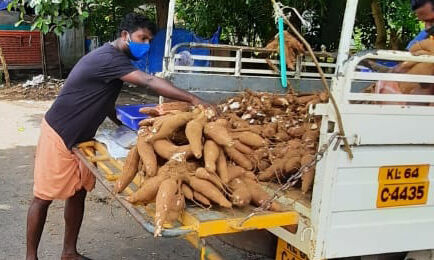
195, 223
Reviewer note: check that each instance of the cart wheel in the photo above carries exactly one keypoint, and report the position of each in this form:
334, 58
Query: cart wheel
259, 242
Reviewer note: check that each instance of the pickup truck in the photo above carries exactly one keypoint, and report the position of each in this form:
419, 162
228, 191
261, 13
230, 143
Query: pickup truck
381, 201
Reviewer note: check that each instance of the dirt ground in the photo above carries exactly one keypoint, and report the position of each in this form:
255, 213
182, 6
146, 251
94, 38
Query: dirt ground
108, 232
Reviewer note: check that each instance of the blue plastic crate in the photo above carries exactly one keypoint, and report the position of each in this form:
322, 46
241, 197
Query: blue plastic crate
387, 63
130, 115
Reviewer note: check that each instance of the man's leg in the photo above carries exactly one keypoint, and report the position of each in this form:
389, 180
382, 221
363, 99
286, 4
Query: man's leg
36, 217
74, 210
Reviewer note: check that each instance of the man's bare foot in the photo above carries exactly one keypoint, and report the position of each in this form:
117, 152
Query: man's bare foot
75, 256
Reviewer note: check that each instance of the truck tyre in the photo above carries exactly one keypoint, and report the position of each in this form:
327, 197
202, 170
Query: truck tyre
391, 256
259, 242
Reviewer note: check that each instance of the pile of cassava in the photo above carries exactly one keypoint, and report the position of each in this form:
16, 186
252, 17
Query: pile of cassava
208, 158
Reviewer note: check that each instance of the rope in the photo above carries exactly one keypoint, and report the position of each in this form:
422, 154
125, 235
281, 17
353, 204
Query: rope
279, 11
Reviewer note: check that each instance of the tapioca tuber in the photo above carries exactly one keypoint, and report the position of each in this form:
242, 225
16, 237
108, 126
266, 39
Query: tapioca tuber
239, 158
211, 154
199, 197
296, 132
193, 131
218, 158
129, 170
219, 134
250, 139
240, 193
170, 124
235, 171
166, 149
308, 174
164, 203
259, 196
275, 171
243, 148
147, 154
202, 173
147, 192
209, 190
187, 191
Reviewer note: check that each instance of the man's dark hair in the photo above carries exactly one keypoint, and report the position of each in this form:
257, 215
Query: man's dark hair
416, 4
132, 22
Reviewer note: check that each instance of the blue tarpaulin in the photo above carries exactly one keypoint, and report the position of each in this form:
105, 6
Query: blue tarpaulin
4, 4
153, 63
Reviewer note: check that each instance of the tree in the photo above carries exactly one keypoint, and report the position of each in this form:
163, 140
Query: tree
377, 14
104, 17
246, 22
56, 15
380, 23
386, 24
162, 7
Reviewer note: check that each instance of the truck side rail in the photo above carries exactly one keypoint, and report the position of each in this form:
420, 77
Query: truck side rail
399, 119
351, 74
237, 65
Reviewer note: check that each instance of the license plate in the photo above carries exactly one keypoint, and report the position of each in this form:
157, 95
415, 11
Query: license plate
286, 251
402, 185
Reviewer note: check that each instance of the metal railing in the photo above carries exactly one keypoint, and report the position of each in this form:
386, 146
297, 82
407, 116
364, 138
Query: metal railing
236, 65
351, 74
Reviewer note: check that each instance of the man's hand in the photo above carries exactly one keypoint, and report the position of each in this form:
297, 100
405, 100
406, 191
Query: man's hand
162, 87
205, 104
198, 101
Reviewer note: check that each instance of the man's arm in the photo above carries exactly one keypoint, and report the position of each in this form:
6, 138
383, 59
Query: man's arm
113, 117
162, 87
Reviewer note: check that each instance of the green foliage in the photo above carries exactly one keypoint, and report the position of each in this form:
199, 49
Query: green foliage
401, 23
55, 15
240, 19
358, 44
248, 22
101, 17
105, 17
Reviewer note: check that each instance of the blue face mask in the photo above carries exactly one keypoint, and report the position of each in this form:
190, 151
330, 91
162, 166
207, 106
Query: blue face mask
138, 50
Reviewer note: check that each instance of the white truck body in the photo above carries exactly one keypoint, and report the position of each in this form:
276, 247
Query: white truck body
344, 219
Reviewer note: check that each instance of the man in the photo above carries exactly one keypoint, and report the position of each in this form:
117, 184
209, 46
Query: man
87, 98
424, 10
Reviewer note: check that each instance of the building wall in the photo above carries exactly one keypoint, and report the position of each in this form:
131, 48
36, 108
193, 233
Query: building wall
72, 47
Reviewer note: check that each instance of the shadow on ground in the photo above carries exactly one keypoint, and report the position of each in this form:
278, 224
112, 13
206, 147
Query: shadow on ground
36, 119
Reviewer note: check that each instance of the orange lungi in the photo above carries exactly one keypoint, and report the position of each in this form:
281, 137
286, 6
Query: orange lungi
58, 172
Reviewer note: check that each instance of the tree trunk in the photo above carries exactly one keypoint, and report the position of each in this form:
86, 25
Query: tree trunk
395, 40
162, 13
5, 69
377, 13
